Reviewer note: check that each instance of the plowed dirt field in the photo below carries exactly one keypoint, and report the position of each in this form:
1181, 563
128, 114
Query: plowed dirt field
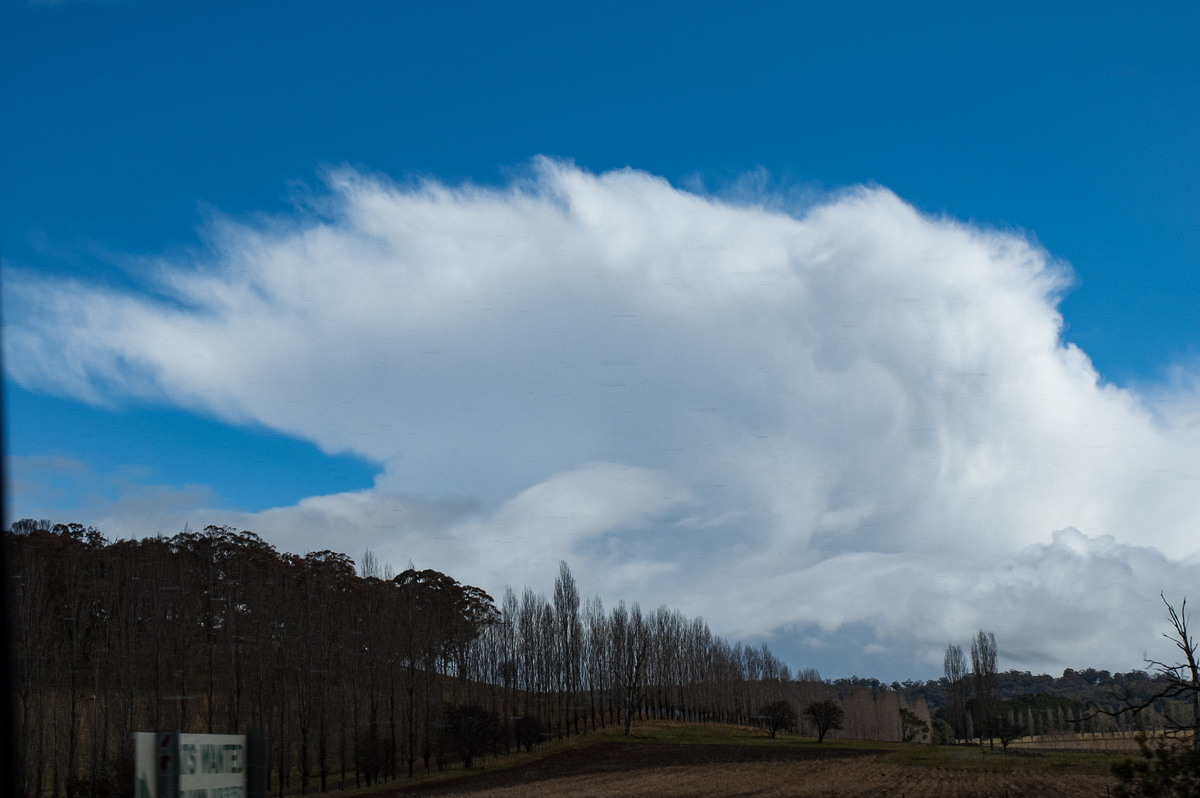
737, 771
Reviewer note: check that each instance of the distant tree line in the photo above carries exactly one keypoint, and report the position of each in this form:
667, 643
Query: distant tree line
1076, 687
974, 700
356, 674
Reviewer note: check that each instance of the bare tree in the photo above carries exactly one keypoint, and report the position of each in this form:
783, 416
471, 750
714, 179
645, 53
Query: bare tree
597, 643
1182, 678
631, 646
1166, 768
369, 568
955, 666
569, 631
983, 667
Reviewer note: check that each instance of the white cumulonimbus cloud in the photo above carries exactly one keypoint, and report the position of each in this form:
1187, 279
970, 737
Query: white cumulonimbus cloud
852, 416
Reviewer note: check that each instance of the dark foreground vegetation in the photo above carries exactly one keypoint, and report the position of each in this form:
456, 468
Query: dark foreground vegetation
359, 677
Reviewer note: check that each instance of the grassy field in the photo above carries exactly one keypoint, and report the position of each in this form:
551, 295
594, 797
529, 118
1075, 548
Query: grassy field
668, 759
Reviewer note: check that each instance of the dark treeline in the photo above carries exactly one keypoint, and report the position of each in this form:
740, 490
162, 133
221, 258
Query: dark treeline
356, 675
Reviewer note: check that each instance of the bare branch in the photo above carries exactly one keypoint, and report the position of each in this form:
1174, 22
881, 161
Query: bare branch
1182, 678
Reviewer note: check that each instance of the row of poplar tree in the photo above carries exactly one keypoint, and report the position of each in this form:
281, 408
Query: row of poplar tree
356, 675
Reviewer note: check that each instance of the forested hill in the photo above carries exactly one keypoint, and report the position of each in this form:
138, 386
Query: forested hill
1085, 687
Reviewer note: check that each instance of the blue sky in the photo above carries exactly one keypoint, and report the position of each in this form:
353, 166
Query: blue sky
175, 167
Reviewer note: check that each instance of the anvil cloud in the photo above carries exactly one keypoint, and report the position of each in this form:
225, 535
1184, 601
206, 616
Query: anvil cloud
847, 419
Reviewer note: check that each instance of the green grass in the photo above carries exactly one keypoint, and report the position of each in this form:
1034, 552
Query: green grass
981, 759
687, 733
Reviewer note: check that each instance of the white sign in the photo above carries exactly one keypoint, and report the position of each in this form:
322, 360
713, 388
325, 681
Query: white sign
212, 766
207, 765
